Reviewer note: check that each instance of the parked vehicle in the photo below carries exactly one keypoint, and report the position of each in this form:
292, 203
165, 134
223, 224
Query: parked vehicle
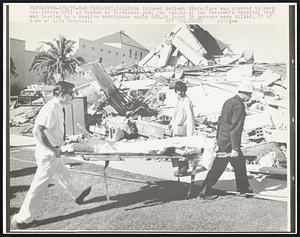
31, 92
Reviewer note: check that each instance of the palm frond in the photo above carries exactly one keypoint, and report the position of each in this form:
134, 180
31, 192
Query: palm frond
52, 48
41, 60
13, 69
69, 46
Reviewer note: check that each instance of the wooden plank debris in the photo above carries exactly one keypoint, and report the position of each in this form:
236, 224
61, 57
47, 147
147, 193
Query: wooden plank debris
118, 100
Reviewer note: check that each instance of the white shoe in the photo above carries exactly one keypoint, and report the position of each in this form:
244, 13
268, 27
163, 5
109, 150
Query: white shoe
15, 224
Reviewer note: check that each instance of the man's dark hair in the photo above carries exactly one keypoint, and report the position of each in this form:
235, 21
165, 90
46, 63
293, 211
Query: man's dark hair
63, 87
180, 86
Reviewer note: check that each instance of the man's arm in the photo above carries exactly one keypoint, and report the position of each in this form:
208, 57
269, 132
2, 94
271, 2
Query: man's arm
238, 117
39, 133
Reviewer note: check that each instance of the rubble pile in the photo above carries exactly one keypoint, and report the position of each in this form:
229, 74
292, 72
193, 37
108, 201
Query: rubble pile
22, 115
136, 102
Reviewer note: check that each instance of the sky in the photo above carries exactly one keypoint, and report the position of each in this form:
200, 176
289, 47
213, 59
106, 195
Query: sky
268, 41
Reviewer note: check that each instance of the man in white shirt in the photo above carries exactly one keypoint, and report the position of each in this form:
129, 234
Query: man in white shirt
49, 132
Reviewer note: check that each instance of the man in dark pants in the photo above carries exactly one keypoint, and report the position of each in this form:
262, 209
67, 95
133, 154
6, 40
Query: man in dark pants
230, 127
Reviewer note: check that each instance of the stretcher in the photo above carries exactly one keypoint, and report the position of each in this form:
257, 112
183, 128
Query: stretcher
195, 149
107, 157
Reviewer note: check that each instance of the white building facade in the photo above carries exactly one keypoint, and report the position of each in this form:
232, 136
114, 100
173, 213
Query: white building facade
112, 50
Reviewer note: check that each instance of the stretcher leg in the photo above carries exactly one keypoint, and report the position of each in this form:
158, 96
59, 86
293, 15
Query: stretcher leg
105, 180
193, 174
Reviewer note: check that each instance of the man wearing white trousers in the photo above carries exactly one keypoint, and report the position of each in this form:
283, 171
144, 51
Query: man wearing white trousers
49, 132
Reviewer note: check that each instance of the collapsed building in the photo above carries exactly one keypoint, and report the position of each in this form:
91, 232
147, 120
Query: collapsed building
137, 101
186, 45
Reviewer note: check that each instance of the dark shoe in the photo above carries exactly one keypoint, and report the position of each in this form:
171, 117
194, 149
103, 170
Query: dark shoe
81, 197
207, 196
246, 191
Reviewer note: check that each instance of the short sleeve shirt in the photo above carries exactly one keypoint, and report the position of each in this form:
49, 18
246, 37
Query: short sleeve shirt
51, 116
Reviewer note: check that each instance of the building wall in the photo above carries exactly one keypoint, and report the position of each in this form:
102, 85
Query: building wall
17, 53
31, 77
22, 59
109, 55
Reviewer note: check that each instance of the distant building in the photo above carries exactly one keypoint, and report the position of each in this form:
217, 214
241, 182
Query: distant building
112, 50
22, 59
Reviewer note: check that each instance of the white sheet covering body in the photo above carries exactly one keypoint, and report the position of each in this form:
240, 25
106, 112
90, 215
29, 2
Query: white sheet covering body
189, 144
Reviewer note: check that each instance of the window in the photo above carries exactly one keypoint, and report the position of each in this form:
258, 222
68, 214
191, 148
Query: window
130, 53
141, 55
92, 48
100, 60
101, 50
117, 53
135, 54
83, 46
124, 55
109, 51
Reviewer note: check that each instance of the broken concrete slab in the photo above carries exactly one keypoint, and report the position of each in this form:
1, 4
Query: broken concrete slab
261, 149
166, 75
188, 45
211, 45
164, 54
258, 120
152, 129
277, 135
268, 77
240, 73
247, 57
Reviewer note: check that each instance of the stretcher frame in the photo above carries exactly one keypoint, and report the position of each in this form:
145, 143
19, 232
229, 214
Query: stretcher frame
107, 157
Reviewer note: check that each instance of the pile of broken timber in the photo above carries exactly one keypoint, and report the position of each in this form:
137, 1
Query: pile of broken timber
121, 102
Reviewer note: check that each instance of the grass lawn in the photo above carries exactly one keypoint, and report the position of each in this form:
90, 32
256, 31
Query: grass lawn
146, 205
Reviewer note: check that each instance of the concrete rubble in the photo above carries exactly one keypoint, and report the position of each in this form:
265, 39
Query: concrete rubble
134, 103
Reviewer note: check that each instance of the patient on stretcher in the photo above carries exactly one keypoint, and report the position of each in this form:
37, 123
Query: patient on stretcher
200, 147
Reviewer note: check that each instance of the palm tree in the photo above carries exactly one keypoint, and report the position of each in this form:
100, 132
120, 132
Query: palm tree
46, 77
58, 59
13, 69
